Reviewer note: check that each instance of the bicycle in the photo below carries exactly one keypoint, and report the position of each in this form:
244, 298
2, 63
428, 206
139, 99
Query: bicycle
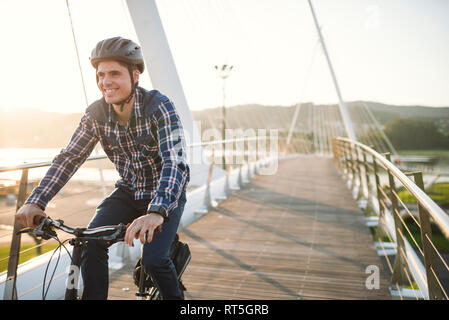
111, 234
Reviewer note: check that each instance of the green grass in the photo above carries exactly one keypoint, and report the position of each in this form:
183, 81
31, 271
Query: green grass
25, 256
373, 231
438, 238
440, 153
438, 192
369, 211
414, 286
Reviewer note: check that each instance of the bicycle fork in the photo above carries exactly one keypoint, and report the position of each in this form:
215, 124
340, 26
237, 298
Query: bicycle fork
71, 292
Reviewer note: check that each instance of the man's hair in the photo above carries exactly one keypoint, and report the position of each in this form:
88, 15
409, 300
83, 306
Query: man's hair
127, 65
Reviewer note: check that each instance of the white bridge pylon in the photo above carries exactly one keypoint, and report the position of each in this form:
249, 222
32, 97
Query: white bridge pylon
161, 66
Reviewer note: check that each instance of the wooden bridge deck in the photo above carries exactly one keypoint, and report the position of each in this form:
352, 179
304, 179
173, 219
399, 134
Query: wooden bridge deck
295, 235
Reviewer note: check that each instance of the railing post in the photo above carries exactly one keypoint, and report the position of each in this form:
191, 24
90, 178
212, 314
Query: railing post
246, 159
379, 231
207, 197
248, 174
342, 156
256, 165
346, 160
367, 180
253, 155
239, 160
359, 171
398, 276
435, 292
240, 180
350, 175
352, 149
335, 152
10, 292
227, 168
378, 186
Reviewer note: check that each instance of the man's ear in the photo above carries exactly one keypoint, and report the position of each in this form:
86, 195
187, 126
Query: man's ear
136, 75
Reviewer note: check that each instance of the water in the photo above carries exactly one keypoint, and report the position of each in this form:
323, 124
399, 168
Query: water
16, 156
13, 156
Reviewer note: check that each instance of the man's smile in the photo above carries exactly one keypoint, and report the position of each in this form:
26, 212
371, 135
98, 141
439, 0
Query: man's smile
110, 91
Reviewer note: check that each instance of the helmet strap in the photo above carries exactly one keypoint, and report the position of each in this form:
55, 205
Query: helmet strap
133, 89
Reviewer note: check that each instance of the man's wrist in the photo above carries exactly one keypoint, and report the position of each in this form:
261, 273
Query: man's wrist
36, 205
159, 210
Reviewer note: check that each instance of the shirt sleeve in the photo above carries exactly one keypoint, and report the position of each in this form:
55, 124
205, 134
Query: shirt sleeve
172, 149
66, 163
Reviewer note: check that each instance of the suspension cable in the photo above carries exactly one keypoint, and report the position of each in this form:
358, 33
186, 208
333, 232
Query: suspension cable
376, 123
375, 130
306, 81
77, 53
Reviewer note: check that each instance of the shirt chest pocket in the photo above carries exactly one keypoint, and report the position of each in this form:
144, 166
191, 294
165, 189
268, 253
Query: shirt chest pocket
111, 144
146, 144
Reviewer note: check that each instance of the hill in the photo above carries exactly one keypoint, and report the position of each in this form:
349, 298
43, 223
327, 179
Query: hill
31, 128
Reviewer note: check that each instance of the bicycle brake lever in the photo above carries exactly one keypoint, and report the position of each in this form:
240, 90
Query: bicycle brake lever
25, 230
43, 231
45, 234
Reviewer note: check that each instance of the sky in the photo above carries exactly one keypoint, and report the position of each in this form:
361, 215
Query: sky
389, 51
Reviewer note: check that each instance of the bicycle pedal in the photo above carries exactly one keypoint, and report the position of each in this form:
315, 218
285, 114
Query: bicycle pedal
143, 295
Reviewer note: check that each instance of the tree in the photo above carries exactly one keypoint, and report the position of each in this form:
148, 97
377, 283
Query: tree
415, 134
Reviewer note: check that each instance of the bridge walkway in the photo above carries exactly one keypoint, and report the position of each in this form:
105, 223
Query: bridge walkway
297, 234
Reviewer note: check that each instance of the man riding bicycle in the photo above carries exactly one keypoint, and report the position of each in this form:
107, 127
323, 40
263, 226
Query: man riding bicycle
141, 133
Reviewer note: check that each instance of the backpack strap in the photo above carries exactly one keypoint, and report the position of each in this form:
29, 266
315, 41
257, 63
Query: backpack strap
98, 110
151, 101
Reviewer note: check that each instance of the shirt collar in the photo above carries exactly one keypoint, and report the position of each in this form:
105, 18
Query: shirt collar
136, 111
138, 105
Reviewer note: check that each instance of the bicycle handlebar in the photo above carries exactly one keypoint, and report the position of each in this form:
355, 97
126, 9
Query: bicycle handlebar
106, 233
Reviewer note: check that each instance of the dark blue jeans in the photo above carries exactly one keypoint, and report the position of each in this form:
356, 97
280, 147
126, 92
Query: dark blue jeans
120, 207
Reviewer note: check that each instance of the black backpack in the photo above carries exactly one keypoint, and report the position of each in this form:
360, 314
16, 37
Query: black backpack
180, 255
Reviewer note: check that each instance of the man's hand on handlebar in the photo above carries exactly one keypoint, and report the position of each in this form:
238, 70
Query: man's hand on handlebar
29, 215
150, 223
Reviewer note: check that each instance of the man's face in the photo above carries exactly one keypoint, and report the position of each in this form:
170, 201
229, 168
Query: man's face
114, 81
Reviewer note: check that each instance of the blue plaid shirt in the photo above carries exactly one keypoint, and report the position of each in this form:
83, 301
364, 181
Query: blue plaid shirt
149, 152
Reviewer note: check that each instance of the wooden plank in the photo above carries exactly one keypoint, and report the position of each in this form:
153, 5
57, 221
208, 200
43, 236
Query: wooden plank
295, 235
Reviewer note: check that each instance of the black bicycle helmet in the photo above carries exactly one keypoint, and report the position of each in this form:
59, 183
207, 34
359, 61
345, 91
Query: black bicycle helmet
118, 48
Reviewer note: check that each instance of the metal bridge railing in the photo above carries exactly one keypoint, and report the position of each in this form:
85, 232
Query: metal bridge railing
373, 177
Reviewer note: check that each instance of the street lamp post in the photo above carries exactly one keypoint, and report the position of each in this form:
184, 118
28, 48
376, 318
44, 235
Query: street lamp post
224, 72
